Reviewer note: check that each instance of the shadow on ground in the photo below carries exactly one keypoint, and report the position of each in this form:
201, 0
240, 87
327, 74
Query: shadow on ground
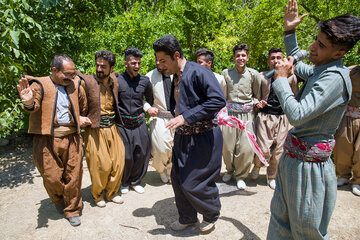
165, 212
248, 234
16, 163
47, 211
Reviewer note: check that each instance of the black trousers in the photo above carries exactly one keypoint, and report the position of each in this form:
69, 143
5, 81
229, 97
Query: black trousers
137, 153
196, 166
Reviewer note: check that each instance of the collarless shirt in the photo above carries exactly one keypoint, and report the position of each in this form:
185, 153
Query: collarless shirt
106, 98
62, 106
242, 87
132, 93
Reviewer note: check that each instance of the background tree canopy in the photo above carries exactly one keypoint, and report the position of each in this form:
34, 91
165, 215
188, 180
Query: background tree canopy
33, 31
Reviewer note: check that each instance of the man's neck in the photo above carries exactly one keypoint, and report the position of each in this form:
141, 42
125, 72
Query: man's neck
240, 69
104, 81
131, 76
181, 65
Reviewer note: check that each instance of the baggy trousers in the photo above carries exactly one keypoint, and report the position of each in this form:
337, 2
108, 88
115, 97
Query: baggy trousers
271, 132
347, 149
237, 152
105, 157
303, 201
59, 161
196, 166
161, 144
137, 153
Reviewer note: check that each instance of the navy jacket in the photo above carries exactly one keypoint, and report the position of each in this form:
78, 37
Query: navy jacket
201, 96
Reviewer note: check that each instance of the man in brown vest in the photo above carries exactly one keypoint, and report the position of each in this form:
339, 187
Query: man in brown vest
55, 104
104, 148
347, 148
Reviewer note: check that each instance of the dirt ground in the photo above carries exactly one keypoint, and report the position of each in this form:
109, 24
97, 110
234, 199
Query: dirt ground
26, 211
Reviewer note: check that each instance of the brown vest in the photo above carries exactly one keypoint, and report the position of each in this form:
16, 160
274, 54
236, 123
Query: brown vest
355, 81
93, 98
42, 120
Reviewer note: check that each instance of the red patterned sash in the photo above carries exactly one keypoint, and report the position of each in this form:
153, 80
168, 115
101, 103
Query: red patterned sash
307, 151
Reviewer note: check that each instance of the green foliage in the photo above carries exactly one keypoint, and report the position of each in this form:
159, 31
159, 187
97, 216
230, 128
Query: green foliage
33, 31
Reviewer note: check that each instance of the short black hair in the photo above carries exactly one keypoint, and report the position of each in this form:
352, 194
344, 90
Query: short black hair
342, 31
241, 46
58, 60
274, 50
168, 44
209, 55
107, 55
132, 52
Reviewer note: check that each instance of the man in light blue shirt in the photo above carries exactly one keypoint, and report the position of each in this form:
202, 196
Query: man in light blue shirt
305, 193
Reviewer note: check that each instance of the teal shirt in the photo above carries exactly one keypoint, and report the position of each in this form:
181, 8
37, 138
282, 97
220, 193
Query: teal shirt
317, 112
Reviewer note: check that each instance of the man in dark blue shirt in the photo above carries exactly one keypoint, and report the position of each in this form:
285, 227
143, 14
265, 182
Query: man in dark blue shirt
195, 101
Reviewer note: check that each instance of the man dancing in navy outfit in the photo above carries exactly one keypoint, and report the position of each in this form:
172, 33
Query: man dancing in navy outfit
195, 101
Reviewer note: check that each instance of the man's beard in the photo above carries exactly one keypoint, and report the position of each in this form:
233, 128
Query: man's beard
102, 75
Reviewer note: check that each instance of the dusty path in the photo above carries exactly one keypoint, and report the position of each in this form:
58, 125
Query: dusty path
26, 212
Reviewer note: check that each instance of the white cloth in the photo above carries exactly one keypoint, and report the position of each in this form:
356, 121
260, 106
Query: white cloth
161, 137
222, 82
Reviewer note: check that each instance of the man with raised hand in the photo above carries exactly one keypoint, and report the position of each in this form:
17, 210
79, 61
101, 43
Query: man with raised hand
56, 104
305, 194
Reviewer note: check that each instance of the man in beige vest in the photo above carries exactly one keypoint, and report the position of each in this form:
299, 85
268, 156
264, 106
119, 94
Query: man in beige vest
56, 104
243, 94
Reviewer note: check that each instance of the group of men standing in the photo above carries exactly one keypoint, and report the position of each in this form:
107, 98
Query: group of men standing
185, 141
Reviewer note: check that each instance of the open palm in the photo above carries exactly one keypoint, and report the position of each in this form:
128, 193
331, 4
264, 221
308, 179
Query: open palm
25, 91
291, 17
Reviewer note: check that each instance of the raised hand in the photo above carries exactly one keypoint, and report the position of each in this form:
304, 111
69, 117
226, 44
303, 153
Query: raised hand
25, 91
291, 17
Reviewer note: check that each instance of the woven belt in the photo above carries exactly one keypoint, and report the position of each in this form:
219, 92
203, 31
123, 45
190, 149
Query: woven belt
107, 121
240, 108
307, 151
196, 128
132, 122
165, 114
353, 112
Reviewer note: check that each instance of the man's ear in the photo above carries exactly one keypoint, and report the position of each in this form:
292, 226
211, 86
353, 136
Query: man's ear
112, 68
125, 63
176, 55
339, 53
